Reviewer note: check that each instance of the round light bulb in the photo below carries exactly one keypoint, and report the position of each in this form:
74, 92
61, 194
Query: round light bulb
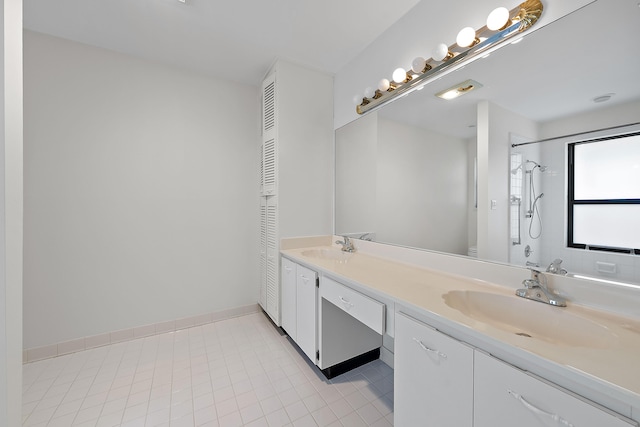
369, 92
418, 64
399, 75
498, 19
440, 52
384, 85
357, 100
466, 37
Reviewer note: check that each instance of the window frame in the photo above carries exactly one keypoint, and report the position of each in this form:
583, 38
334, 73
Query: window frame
572, 202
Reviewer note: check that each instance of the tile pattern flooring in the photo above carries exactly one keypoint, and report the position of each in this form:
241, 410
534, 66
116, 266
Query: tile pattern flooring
236, 372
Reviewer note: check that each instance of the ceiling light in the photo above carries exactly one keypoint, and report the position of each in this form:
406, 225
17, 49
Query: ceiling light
503, 26
459, 89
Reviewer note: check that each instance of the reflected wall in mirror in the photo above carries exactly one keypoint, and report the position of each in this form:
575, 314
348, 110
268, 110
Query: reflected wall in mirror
404, 184
405, 174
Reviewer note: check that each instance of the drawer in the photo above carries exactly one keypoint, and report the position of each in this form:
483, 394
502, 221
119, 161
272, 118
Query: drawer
365, 309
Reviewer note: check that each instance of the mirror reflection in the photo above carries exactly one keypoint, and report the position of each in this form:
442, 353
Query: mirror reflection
442, 175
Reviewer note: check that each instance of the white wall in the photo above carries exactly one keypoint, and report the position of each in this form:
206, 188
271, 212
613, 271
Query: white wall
421, 188
305, 150
140, 192
472, 209
11, 200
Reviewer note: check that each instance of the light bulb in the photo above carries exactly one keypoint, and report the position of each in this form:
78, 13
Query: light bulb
399, 75
418, 65
384, 85
466, 37
498, 19
369, 92
357, 100
440, 52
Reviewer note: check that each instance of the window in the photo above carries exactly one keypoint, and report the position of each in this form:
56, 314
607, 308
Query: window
604, 194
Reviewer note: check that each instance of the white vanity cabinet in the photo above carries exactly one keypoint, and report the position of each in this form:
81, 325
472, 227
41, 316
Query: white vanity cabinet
288, 307
433, 378
299, 305
306, 306
506, 396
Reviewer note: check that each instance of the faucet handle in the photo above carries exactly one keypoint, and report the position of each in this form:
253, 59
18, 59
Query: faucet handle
556, 267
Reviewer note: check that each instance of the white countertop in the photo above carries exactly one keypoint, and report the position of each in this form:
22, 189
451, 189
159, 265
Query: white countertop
614, 369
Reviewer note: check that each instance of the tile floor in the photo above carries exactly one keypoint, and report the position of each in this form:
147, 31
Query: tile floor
237, 372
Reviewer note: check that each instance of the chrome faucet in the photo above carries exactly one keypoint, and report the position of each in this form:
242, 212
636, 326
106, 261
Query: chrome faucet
556, 267
536, 289
347, 245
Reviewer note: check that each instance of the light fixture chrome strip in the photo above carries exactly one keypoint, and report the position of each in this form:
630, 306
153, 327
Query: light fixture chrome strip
525, 16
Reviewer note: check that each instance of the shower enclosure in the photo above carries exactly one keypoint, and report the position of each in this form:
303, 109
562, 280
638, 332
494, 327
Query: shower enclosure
525, 204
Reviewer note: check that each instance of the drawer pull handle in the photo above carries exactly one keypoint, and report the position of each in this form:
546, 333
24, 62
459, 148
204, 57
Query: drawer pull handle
555, 417
288, 269
305, 279
430, 350
346, 302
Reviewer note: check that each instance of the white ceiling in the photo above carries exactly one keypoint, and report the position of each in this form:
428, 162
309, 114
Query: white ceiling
235, 40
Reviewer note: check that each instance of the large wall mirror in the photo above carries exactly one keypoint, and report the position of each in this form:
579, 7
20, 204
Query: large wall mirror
462, 177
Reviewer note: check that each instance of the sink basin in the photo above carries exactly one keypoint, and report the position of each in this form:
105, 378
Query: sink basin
530, 319
330, 254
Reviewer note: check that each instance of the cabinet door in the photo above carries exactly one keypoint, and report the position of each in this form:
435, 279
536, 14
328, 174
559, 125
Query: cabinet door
263, 253
268, 167
507, 397
272, 276
306, 311
288, 303
433, 378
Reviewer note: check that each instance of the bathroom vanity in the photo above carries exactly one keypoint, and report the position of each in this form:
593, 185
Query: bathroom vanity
336, 327
466, 352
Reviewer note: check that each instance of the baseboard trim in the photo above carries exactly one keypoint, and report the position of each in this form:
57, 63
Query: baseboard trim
86, 343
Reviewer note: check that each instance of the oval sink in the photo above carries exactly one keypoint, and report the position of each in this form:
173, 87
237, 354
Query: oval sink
330, 254
530, 319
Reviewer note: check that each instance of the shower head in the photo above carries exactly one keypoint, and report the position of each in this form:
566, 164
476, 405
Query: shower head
537, 165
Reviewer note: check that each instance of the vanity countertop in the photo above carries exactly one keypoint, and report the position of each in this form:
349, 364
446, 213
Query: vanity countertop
612, 368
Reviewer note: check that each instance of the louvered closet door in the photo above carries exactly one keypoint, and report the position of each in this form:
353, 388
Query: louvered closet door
269, 104
263, 253
269, 167
269, 137
272, 279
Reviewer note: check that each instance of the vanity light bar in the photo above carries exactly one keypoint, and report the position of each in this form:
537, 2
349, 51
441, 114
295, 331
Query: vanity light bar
450, 58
